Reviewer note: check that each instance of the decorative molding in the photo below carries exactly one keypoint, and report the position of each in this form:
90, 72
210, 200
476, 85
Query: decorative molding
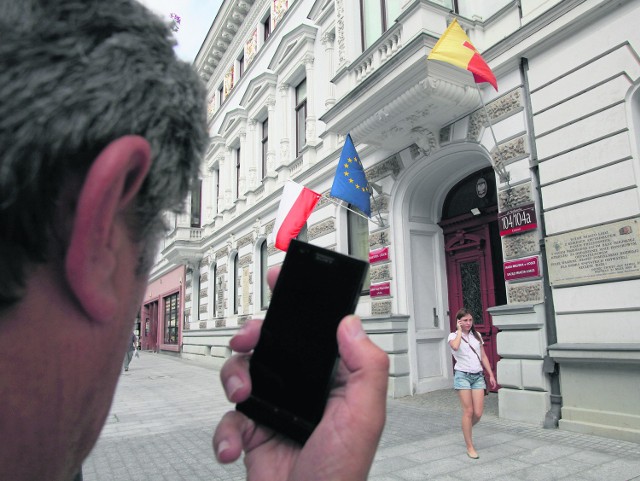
381, 308
268, 227
498, 109
340, 27
525, 292
380, 203
411, 109
245, 260
379, 239
391, 166
380, 272
515, 196
515, 246
323, 202
320, 229
509, 152
222, 253
245, 240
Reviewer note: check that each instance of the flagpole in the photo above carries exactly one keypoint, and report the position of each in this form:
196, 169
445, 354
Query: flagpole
371, 189
326, 196
502, 173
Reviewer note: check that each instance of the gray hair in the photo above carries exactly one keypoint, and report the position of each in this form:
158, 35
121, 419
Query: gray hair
74, 76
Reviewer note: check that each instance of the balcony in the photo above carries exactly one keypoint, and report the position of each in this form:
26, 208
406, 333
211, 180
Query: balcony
392, 97
183, 245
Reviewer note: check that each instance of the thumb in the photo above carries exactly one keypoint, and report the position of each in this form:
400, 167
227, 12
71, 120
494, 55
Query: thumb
366, 363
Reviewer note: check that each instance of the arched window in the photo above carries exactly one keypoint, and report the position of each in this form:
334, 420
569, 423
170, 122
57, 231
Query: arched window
264, 287
235, 272
212, 289
301, 116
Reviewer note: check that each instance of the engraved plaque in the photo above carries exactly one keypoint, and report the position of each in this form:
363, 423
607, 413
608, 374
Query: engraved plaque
606, 252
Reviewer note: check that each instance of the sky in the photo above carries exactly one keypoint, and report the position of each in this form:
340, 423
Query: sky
196, 17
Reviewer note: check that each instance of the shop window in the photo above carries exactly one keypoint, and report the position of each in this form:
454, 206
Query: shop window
171, 308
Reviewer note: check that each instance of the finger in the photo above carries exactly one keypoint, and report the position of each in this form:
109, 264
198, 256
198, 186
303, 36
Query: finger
227, 439
235, 378
272, 276
368, 370
247, 336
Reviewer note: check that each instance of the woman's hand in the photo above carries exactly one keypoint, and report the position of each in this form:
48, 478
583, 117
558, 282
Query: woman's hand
342, 446
492, 382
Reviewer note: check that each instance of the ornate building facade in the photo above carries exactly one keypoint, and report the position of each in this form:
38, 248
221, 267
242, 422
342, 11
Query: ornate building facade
546, 257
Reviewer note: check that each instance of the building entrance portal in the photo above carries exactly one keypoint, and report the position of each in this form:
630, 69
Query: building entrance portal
473, 254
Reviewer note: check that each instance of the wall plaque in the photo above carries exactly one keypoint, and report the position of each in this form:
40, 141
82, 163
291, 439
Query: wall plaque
522, 268
379, 290
605, 252
518, 219
379, 255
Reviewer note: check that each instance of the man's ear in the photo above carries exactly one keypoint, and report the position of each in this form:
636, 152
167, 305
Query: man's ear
109, 188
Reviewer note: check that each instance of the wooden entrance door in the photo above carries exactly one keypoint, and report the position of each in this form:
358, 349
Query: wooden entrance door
471, 280
149, 337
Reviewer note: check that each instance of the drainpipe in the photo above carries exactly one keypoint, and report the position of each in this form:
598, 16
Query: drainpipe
550, 366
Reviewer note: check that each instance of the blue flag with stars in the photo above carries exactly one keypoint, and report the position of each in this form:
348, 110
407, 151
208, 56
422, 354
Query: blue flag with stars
350, 184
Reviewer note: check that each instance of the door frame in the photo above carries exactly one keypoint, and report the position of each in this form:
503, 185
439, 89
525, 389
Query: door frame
465, 237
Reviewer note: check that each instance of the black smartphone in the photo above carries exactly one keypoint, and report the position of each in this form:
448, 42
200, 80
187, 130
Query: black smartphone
293, 364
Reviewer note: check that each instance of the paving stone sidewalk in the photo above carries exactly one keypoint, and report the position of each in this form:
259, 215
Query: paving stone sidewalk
166, 408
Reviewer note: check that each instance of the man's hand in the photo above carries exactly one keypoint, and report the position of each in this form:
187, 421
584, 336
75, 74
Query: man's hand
342, 446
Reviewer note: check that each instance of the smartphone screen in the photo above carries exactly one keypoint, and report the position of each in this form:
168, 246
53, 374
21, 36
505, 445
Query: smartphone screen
292, 366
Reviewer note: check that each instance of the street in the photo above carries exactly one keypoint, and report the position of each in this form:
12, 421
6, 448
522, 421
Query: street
165, 409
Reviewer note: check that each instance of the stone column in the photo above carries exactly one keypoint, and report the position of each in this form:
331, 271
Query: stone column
310, 127
216, 185
271, 153
251, 157
227, 174
285, 113
328, 40
244, 161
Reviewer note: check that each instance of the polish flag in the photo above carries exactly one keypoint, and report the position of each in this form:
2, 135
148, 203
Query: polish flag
296, 205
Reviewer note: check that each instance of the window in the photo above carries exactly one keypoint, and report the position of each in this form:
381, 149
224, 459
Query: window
217, 192
267, 27
212, 289
196, 204
264, 287
301, 116
238, 172
241, 65
196, 297
171, 319
376, 17
265, 146
303, 235
235, 272
220, 95
358, 238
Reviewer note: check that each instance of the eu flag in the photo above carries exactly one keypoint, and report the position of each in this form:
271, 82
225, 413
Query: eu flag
350, 184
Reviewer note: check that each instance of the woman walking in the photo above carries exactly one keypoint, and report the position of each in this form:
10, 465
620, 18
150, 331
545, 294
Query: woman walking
468, 351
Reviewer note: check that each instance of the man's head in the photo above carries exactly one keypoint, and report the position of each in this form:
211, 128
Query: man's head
75, 76
101, 131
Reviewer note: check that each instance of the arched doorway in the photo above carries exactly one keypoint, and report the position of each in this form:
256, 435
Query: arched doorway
473, 253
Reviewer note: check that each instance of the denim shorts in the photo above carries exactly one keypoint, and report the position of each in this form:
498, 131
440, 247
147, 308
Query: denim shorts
464, 380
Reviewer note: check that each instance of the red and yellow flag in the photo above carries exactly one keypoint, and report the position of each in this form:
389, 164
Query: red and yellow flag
454, 47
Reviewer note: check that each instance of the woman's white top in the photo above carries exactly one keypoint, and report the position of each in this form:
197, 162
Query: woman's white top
466, 360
